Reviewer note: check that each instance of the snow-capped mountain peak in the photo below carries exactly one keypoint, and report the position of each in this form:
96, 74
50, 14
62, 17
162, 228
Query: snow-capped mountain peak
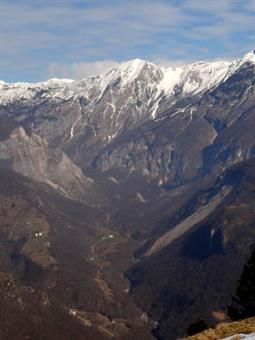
129, 71
141, 75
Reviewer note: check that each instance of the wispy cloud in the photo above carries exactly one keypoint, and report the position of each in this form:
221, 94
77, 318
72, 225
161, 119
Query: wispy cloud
80, 70
64, 37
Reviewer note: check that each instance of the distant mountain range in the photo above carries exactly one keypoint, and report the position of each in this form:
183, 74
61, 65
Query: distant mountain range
145, 172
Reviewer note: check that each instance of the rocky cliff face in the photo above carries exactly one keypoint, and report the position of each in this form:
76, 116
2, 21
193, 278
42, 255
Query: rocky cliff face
30, 155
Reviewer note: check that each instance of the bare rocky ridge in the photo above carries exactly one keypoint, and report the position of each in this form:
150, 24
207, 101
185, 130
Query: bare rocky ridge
31, 156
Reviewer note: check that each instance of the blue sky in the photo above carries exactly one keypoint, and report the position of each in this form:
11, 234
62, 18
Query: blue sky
68, 38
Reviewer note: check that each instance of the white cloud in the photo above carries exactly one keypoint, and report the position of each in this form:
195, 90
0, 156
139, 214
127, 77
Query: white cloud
64, 33
80, 70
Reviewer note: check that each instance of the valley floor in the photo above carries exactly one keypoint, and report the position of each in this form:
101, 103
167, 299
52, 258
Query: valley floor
110, 253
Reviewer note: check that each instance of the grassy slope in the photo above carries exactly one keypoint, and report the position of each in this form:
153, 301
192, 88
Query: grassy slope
224, 330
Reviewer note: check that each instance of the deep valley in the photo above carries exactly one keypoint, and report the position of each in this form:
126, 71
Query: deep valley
127, 200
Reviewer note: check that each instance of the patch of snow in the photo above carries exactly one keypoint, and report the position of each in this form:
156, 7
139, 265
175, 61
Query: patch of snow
154, 110
110, 137
171, 77
203, 76
160, 182
242, 336
114, 180
239, 153
131, 170
212, 233
73, 126
141, 198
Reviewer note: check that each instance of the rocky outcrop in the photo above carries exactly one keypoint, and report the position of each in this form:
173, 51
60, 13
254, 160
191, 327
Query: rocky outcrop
30, 155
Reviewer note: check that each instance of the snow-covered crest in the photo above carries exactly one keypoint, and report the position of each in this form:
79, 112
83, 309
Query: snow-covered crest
193, 78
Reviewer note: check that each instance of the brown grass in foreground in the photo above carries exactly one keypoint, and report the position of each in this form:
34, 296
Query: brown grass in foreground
227, 329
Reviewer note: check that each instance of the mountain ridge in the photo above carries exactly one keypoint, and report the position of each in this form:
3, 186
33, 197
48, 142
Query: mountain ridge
115, 164
128, 71
249, 56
